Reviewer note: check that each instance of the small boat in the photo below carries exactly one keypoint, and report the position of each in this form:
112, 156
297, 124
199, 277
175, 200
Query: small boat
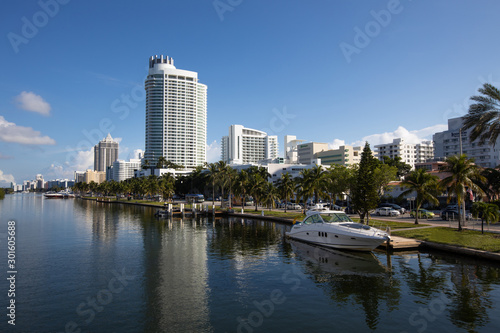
335, 229
64, 194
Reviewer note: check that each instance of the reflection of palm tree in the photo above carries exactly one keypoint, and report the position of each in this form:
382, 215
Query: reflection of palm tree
470, 301
285, 187
464, 173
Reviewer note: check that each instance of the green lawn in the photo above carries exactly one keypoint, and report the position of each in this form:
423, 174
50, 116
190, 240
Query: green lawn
450, 236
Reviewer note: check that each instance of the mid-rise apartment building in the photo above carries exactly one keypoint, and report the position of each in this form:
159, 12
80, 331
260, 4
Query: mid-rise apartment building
409, 153
447, 143
245, 145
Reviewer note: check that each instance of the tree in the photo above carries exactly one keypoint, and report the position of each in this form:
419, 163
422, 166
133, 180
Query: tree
365, 196
213, 176
270, 195
402, 167
242, 186
167, 186
423, 184
384, 174
487, 212
464, 174
484, 115
285, 187
338, 180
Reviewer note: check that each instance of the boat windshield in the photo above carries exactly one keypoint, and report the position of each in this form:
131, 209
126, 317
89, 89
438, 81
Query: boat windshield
335, 217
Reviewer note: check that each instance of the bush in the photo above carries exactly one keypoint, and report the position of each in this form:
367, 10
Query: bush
2, 193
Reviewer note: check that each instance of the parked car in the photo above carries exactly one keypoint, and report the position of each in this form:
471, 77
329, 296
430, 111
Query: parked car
394, 206
386, 211
422, 213
292, 205
452, 213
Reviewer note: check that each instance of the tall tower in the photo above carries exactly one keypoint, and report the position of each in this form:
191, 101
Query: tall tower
176, 114
105, 153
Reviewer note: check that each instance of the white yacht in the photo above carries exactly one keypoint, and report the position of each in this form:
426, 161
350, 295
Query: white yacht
336, 230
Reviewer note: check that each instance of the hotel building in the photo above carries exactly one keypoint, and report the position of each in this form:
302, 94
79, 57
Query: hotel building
105, 153
246, 145
176, 114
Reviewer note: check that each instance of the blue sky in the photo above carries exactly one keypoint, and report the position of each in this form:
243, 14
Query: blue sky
326, 71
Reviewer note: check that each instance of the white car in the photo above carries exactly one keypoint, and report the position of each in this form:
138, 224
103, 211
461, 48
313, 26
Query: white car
386, 211
291, 205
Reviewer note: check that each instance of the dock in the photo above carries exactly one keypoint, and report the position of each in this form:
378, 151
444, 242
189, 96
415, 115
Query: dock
401, 244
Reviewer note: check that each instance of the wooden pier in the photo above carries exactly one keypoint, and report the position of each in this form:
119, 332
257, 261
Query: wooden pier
401, 244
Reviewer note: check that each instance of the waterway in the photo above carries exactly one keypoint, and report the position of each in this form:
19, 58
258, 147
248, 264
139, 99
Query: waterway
83, 266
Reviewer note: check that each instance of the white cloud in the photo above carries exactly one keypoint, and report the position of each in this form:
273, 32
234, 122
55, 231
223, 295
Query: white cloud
31, 102
10, 132
415, 136
6, 178
213, 152
135, 154
336, 144
79, 161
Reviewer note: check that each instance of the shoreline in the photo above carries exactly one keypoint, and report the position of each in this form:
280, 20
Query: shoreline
453, 249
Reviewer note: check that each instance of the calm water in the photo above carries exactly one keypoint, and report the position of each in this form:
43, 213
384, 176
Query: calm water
88, 267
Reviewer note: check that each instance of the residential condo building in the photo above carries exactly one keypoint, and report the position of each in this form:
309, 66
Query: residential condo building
105, 153
176, 114
447, 143
409, 153
246, 145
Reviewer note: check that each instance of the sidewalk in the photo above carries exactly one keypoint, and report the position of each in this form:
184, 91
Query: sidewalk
438, 222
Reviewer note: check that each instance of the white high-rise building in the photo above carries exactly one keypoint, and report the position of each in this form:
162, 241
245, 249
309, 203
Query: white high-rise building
409, 153
105, 153
176, 114
246, 145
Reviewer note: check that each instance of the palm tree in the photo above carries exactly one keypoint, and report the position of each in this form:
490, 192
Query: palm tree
213, 176
258, 179
423, 184
485, 211
270, 195
484, 115
167, 186
285, 187
242, 186
464, 174
162, 161
313, 182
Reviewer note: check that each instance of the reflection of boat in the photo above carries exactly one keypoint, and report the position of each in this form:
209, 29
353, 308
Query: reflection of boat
64, 194
338, 261
335, 229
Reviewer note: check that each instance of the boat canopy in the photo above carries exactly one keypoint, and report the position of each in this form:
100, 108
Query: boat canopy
327, 218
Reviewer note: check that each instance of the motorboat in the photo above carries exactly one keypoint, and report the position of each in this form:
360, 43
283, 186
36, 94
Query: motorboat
64, 194
335, 229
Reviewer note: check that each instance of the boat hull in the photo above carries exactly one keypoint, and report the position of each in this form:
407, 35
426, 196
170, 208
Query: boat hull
336, 240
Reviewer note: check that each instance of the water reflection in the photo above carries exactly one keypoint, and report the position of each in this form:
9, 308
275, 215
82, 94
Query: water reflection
351, 278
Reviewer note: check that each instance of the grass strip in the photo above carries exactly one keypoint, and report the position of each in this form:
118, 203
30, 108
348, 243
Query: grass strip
466, 238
